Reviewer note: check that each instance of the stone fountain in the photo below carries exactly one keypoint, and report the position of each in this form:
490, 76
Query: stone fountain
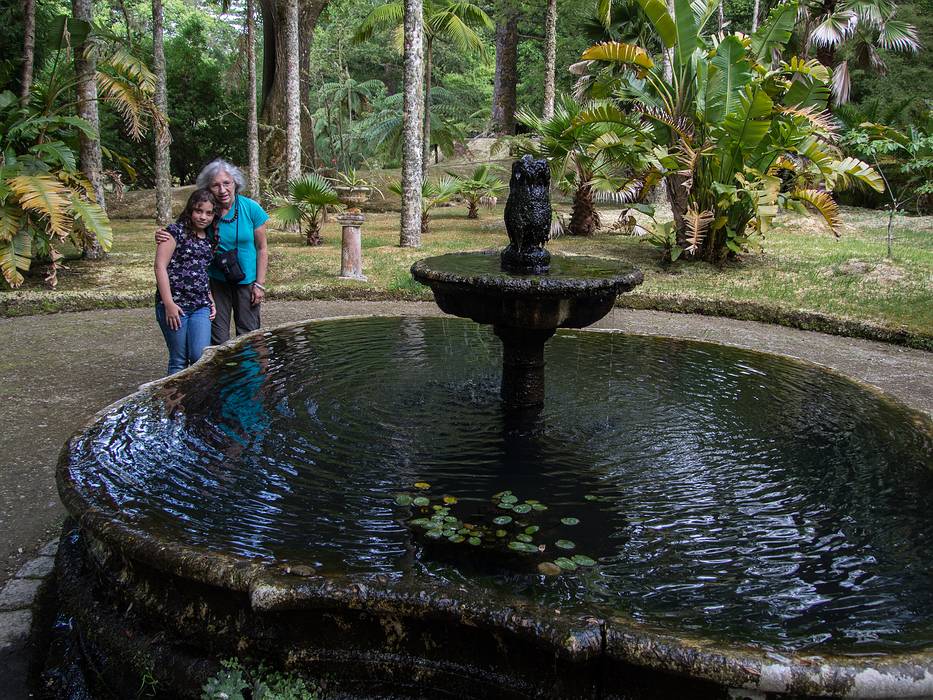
683, 519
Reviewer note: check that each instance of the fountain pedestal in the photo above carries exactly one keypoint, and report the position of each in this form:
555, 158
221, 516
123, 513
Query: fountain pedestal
351, 249
522, 365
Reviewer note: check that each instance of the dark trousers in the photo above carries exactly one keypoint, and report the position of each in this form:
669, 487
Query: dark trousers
232, 298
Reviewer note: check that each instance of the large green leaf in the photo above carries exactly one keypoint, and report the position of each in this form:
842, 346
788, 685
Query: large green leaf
775, 32
807, 91
688, 34
616, 52
94, 219
729, 74
57, 153
661, 20
747, 125
15, 255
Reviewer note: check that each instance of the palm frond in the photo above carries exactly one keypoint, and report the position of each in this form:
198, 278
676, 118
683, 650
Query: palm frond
615, 52
824, 203
386, 16
851, 170
897, 35
94, 219
834, 29
820, 119
697, 224
46, 196
15, 255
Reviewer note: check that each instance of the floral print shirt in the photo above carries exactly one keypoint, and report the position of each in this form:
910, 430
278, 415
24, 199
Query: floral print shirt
187, 270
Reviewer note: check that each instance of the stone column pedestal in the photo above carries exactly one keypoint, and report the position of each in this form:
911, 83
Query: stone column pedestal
351, 253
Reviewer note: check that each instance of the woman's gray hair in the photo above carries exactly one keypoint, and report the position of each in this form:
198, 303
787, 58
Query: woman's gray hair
209, 172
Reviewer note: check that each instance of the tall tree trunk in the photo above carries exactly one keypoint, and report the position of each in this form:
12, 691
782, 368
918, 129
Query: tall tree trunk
503, 92
29, 49
163, 174
412, 128
272, 148
679, 197
88, 147
667, 55
550, 58
721, 14
426, 140
755, 10
252, 125
292, 93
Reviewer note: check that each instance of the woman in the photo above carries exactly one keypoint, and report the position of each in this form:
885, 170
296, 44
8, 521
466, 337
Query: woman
241, 225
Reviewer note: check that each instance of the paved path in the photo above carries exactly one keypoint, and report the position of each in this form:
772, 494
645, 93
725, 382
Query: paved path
59, 370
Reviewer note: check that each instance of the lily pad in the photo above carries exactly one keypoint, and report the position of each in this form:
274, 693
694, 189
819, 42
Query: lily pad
522, 508
505, 506
501, 533
531, 529
565, 544
402, 500
421, 501
591, 497
549, 568
422, 485
450, 500
434, 534
522, 547
523, 538
474, 541
509, 499
570, 521
455, 538
582, 560
502, 520
539, 506
565, 564
421, 522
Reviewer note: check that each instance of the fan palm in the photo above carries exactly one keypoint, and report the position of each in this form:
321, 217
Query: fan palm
433, 194
308, 197
860, 26
481, 183
455, 22
585, 157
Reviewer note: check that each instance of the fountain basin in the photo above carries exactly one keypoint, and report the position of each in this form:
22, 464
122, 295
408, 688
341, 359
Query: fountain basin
575, 293
155, 583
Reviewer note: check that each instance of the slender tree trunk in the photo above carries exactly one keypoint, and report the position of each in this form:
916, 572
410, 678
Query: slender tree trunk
292, 93
252, 124
29, 49
755, 9
89, 147
667, 55
163, 174
272, 148
721, 13
550, 58
503, 94
678, 196
413, 129
426, 141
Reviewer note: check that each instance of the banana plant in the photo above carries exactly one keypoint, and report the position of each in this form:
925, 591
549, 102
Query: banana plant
740, 133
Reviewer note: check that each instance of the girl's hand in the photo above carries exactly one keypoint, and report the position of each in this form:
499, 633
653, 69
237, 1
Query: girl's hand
161, 235
213, 310
173, 314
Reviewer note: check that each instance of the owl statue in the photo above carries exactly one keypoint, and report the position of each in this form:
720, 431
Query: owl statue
528, 217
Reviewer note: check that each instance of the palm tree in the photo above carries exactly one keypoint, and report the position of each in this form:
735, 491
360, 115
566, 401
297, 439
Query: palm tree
163, 176
481, 183
433, 194
413, 116
351, 98
252, 122
860, 26
455, 21
91, 156
583, 158
550, 58
308, 198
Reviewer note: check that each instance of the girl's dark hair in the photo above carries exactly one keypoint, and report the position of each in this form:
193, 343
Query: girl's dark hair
198, 196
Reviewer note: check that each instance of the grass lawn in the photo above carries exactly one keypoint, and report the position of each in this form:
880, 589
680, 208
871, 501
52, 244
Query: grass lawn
802, 276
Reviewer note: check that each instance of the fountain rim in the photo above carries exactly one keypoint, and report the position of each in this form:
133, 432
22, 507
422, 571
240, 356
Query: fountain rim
270, 587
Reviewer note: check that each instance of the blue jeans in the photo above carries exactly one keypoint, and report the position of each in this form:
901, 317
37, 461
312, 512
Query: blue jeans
186, 344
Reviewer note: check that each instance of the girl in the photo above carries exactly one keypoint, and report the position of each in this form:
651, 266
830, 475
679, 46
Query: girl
184, 305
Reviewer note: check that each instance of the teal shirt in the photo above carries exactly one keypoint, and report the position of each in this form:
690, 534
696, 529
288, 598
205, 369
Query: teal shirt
250, 216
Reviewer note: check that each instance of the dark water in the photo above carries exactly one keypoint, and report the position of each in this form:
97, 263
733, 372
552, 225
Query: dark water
723, 492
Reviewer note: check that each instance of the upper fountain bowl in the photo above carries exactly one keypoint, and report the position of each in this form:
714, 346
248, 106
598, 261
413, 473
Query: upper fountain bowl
576, 291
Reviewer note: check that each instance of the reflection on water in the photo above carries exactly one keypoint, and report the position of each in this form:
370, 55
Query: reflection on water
737, 495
